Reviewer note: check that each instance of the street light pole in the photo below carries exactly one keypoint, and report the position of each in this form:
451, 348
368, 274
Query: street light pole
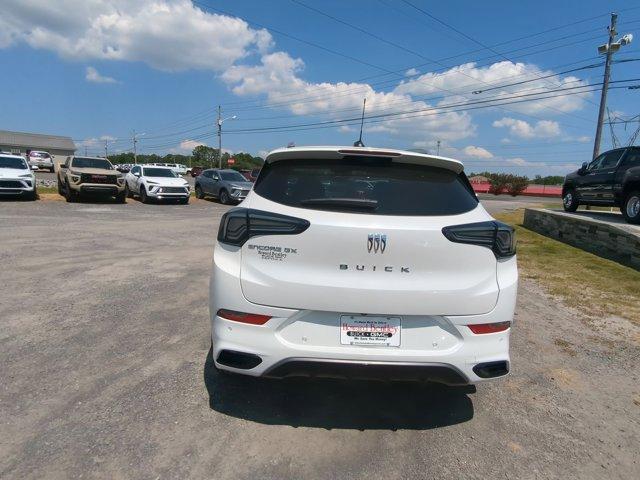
219, 138
605, 84
220, 122
135, 146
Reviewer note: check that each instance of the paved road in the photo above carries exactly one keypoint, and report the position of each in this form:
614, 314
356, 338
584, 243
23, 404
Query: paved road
106, 373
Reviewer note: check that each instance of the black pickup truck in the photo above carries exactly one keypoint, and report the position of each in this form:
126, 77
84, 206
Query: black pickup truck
611, 179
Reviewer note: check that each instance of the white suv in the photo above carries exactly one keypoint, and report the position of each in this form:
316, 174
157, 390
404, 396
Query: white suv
361, 262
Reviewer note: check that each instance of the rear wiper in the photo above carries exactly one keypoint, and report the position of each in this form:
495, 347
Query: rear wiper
355, 203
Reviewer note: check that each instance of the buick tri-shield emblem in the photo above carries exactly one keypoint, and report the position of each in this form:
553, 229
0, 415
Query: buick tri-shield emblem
376, 243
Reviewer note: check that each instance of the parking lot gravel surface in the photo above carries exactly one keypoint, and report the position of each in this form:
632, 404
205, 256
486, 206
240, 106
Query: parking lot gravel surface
106, 373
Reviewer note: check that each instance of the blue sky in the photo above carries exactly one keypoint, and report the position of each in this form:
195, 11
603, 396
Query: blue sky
98, 69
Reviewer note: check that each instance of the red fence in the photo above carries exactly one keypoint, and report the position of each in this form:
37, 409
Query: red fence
536, 190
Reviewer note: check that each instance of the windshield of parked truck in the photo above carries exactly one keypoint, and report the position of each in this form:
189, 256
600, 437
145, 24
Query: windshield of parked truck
85, 162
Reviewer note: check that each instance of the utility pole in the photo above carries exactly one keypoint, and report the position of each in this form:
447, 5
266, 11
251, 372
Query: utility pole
106, 153
135, 145
219, 138
135, 150
438, 151
220, 122
85, 150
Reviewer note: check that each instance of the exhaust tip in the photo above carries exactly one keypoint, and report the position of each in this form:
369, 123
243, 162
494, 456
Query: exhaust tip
240, 360
491, 369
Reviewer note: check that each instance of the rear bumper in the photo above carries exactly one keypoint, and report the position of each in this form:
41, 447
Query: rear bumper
264, 351
35, 163
307, 343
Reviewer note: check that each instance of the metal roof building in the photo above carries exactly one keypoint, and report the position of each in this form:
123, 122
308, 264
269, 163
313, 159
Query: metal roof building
20, 142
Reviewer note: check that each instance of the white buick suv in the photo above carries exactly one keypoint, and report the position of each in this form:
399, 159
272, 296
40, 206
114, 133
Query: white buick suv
361, 262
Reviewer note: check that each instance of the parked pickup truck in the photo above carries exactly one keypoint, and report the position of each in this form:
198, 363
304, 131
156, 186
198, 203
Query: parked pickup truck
83, 176
612, 179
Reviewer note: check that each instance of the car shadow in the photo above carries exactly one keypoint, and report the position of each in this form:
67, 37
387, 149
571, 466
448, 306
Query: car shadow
328, 403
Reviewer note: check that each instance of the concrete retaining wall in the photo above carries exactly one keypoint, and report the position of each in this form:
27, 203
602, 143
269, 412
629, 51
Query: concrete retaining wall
603, 234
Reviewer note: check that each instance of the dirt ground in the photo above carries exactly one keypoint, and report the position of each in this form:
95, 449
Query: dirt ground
106, 373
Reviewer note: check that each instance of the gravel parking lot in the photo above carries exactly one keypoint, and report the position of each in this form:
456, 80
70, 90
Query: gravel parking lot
106, 374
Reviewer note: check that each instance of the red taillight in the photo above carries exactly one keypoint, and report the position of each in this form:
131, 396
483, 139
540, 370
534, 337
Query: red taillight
481, 328
242, 317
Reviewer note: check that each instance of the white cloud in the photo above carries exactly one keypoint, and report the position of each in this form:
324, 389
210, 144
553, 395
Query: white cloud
278, 77
522, 129
477, 152
521, 162
169, 35
185, 147
460, 81
412, 72
93, 76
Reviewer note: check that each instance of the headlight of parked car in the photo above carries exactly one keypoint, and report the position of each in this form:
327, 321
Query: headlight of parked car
75, 178
26, 175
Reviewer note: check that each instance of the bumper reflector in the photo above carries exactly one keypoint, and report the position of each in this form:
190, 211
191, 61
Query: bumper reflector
242, 317
482, 328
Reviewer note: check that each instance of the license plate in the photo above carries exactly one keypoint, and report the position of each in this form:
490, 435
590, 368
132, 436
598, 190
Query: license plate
370, 330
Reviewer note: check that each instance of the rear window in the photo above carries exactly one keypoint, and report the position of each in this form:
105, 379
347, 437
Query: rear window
366, 185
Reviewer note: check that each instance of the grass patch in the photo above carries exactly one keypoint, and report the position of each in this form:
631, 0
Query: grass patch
591, 284
47, 189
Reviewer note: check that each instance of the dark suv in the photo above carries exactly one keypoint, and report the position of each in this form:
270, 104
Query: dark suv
229, 186
612, 179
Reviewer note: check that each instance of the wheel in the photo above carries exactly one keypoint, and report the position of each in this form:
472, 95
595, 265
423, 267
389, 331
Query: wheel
127, 192
224, 197
32, 195
184, 201
199, 192
631, 207
60, 189
570, 200
51, 170
121, 197
144, 198
70, 195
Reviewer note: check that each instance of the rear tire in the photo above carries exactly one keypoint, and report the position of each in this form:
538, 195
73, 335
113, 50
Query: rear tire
199, 192
224, 197
570, 201
631, 207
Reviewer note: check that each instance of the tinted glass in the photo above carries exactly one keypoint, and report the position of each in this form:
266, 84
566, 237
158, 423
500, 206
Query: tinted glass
10, 162
158, 172
632, 158
595, 164
366, 185
84, 162
232, 177
611, 159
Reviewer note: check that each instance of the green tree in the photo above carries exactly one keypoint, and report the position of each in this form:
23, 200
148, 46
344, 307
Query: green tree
204, 156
